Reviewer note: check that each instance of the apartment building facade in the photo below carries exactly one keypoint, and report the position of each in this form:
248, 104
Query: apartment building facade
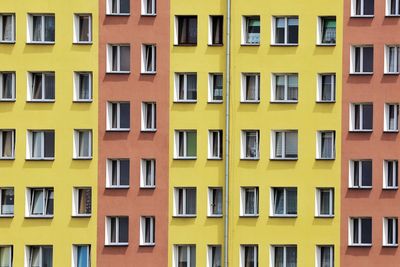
48, 118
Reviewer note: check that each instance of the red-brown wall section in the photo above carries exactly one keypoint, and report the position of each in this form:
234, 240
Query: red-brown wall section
136, 88
378, 89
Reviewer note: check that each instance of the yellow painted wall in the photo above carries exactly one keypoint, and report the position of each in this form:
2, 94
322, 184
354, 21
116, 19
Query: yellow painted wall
64, 116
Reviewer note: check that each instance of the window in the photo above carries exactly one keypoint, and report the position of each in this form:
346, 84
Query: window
325, 256
216, 30
41, 28
82, 144
6, 202
7, 86
41, 202
118, 116
326, 88
7, 144
360, 232
284, 256
6, 256
215, 202
82, 205
117, 173
285, 88
148, 173
118, 58
185, 202
326, 144
41, 86
361, 8
186, 31
327, 31
148, 7
185, 144
390, 232
117, 231
216, 88
392, 54
284, 144
249, 255
186, 87
360, 174
185, 255
149, 116
118, 7
251, 30
286, 31
362, 59
325, 202
81, 255
83, 28
391, 117
249, 199
7, 28
39, 256
149, 56
392, 8
250, 144
361, 117
147, 231
40, 144
390, 174
214, 256
83, 87
215, 144
284, 201
251, 87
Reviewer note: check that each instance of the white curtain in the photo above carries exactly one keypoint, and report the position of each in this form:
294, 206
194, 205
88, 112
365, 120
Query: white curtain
34, 257
5, 256
250, 202
278, 144
251, 87
291, 201
278, 257
291, 256
37, 28
280, 87
7, 144
37, 144
278, 201
191, 87
84, 144
292, 87
326, 145
291, 144
37, 202
7, 28
37, 86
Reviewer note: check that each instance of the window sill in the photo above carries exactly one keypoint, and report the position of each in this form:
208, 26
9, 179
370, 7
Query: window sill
250, 159
390, 188
390, 246
118, 14
185, 158
361, 188
186, 45
360, 245
82, 158
83, 101
41, 101
283, 216
325, 101
250, 102
284, 101
249, 216
118, 187
185, 216
392, 16
117, 130
83, 43
147, 245
149, 73
284, 159
83, 216
325, 159
324, 216
362, 16
215, 216
8, 100
215, 102
40, 43
215, 159
13, 158
5, 216
7, 42
117, 245
150, 187
361, 73
148, 15
391, 73
245, 44
148, 130
39, 217
185, 101
289, 45
360, 131
216, 45
40, 159
391, 131
327, 44
119, 72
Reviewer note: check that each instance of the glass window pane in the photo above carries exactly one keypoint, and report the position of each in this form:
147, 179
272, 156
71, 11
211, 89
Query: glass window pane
293, 31
124, 172
291, 200
83, 256
49, 81
49, 28
123, 229
191, 141
49, 144
125, 58
84, 28
367, 173
191, 86
36, 28
124, 6
125, 115
368, 59
366, 231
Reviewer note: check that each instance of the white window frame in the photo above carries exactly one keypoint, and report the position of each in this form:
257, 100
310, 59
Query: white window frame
243, 258
243, 191
28, 254
109, 5
387, 117
77, 143
29, 145
319, 255
389, 6
320, 85
153, 66
2, 215
320, 30
110, 111
2, 99
176, 153
395, 174
29, 203
43, 28
211, 192
353, 60
351, 174
319, 145
211, 144
10, 249
273, 31
273, 141
245, 21
396, 62
210, 253
385, 233
257, 88
12, 143
75, 254
143, 228
244, 144
284, 246
188, 248
361, 119
143, 172
145, 107
108, 231
318, 192
144, 9
211, 77
177, 85
353, 9
286, 90
210, 30
77, 78
351, 229
184, 196
43, 88
75, 202
285, 212
110, 57
12, 27
110, 172
77, 27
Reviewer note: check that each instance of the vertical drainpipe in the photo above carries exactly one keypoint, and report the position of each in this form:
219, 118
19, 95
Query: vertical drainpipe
227, 129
